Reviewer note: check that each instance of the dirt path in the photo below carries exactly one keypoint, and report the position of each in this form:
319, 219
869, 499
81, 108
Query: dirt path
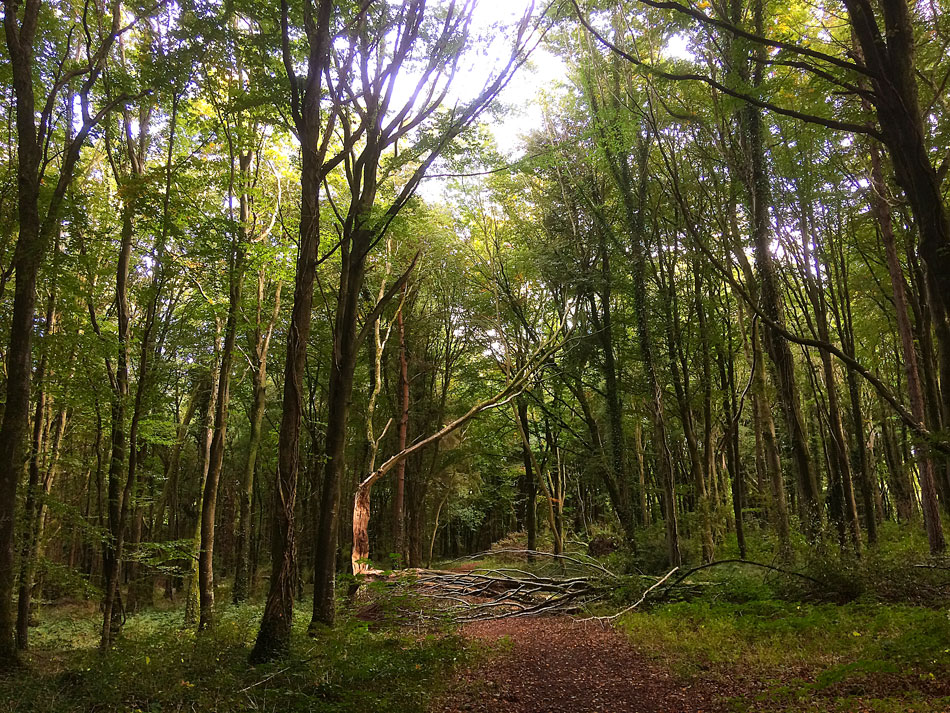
556, 665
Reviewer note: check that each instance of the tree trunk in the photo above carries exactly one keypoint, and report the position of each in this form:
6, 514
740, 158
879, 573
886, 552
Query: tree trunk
840, 461
529, 483
928, 490
192, 584
605, 332
870, 493
399, 524
731, 436
521, 420
216, 456
343, 364
260, 347
112, 614
273, 638
27, 258
34, 235
31, 506
779, 352
889, 56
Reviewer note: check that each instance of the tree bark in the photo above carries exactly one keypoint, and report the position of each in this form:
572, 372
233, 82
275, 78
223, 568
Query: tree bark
342, 366
260, 345
529, 484
33, 130
399, 524
840, 461
31, 505
236, 258
928, 489
889, 56
273, 638
779, 352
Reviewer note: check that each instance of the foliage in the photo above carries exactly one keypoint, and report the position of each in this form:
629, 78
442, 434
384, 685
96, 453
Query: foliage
798, 655
157, 666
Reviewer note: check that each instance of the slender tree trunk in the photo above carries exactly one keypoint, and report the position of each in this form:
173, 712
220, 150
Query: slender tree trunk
260, 347
633, 195
522, 423
706, 503
605, 332
530, 482
273, 638
925, 464
343, 364
168, 500
27, 259
646, 517
399, 524
32, 504
435, 528
664, 457
779, 504
733, 460
870, 493
216, 455
33, 238
888, 54
192, 585
682, 389
112, 613
780, 354
839, 459
360, 555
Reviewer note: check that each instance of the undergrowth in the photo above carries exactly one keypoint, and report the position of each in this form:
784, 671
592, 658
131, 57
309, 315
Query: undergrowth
158, 666
796, 656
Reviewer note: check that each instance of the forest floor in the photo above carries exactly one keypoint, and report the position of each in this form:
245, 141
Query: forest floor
733, 651
737, 649
558, 665
561, 665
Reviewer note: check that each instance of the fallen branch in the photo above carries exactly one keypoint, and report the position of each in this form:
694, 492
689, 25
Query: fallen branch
773, 568
636, 604
507, 592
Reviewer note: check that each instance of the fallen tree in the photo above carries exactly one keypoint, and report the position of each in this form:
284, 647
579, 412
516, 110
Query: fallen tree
509, 591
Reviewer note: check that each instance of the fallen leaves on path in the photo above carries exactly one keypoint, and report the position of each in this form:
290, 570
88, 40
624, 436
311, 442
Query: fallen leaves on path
558, 665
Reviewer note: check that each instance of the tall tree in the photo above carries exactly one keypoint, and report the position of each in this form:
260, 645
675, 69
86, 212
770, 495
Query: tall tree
314, 129
431, 45
38, 218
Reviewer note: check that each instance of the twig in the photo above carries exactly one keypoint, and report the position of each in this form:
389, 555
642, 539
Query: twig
637, 603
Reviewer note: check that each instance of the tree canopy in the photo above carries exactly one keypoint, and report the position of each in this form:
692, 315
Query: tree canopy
259, 261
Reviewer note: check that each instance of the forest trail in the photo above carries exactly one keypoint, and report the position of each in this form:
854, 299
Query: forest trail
559, 665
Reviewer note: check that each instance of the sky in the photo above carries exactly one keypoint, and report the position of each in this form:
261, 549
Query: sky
544, 73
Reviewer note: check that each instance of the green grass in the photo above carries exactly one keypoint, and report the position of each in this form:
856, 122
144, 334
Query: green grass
743, 630
870, 656
157, 666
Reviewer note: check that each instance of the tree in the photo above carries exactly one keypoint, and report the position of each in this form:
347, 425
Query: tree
432, 44
314, 129
38, 221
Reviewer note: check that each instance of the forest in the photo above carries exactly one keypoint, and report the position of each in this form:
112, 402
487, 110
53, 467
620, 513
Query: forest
468, 355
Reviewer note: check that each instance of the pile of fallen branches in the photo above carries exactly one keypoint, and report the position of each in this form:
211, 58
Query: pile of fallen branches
499, 592
480, 593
